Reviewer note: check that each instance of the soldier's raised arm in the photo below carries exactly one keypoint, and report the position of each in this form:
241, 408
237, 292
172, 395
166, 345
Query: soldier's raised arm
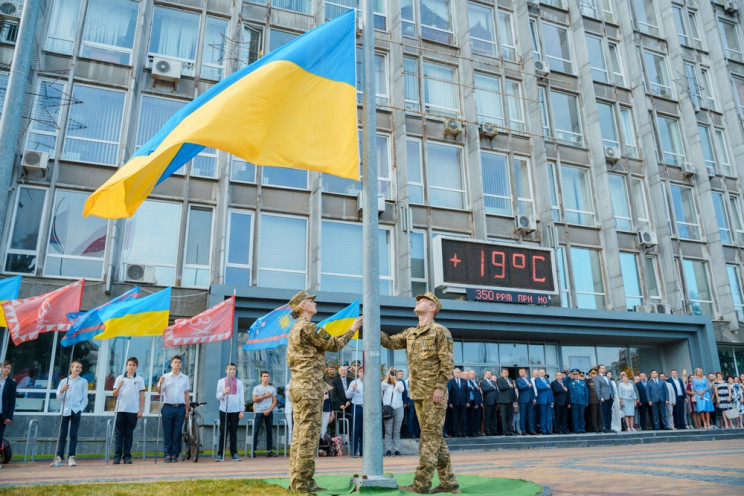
324, 341
394, 342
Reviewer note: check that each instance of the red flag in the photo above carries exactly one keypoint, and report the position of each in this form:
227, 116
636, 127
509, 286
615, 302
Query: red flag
212, 325
44, 313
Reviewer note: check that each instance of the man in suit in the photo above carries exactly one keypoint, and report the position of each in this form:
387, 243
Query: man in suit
490, 402
560, 400
338, 395
656, 391
457, 388
506, 399
7, 397
644, 410
526, 400
476, 406
679, 393
578, 397
544, 400
605, 393
595, 415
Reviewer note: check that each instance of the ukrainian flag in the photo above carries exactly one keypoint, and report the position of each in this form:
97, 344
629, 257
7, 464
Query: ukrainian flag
295, 107
137, 317
9, 289
338, 323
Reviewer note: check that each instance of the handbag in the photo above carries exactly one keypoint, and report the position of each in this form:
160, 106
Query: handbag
731, 413
387, 412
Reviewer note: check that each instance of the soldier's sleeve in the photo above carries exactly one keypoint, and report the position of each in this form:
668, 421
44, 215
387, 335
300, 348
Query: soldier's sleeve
394, 342
324, 341
445, 346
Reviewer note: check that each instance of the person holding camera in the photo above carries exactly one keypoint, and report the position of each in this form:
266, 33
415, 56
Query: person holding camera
392, 411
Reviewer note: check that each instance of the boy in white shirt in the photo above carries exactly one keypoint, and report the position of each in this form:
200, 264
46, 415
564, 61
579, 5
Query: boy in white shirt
129, 389
174, 390
72, 393
230, 393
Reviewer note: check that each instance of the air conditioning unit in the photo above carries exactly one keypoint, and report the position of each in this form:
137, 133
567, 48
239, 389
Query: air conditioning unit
542, 68
612, 153
688, 169
643, 308
663, 308
453, 127
144, 274
166, 69
10, 10
525, 224
34, 160
730, 7
711, 170
380, 203
647, 238
488, 129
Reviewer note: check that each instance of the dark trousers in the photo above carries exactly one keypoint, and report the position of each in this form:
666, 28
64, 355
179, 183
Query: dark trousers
507, 417
490, 419
561, 419
526, 420
2, 427
659, 412
475, 414
679, 413
260, 419
577, 417
71, 422
414, 430
358, 421
173, 417
643, 414
459, 420
231, 425
606, 407
595, 417
542, 411
125, 424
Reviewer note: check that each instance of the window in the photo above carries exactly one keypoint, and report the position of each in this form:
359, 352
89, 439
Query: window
731, 40
587, 278
109, 29
419, 280
738, 220
673, 152
598, 9
334, 8
567, 124
214, 50
506, 36
699, 293
645, 17
282, 264
620, 204
557, 47
335, 184
697, 40
414, 171
693, 87
251, 44
707, 145
722, 152
597, 59
445, 176
411, 83
341, 268
514, 106
174, 35
629, 140
543, 112
607, 126
724, 229
615, 64
381, 87
154, 112
733, 276
738, 84
560, 259
44, 125
205, 164
680, 25
577, 196
707, 90
278, 38
631, 280
76, 244
3, 89
94, 125
63, 22
198, 248
23, 240
488, 99
685, 212
440, 89
239, 250
496, 187
302, 6
638, 190
554, 196
651, 279
482, 31
657, 75
522, 186
8, 31
407, 17
436, 21
151, 238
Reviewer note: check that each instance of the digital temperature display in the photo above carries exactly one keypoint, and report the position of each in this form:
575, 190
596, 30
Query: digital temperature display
465, 263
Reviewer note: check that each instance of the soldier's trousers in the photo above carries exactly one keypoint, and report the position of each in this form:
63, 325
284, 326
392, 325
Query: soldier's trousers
433, 451
306, 413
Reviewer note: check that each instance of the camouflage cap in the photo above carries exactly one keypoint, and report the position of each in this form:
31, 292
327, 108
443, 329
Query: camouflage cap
299, 298
430, 296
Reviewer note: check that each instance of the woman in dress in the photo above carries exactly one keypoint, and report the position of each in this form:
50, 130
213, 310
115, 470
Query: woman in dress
617, 414
723, 399
737, 396
392, 394
627, 394
692, 402
703, 403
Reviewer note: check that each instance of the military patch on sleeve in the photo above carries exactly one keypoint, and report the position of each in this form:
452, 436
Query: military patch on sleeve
323, 333
450, 344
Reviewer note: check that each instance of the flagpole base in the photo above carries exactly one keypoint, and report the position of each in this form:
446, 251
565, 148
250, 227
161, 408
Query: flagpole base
361, 482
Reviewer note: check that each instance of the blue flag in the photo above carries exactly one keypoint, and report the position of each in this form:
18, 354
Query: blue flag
271, 330
88, 324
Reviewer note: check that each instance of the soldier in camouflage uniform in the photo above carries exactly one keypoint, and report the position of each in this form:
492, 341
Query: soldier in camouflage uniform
430, 360
306, 359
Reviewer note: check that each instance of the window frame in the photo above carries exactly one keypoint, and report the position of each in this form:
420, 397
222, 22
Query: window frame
260, 268
462, 172
228, 234
663, 89
36, 252
198, 267
586, 185
681, 223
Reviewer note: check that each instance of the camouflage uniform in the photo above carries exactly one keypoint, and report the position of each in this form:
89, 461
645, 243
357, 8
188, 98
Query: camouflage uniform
306, 359
430, 359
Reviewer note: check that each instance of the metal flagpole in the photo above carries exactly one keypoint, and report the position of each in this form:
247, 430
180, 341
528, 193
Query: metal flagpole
6, 338
64, 399
116, 404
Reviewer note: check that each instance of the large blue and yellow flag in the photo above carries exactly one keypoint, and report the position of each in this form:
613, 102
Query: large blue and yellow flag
86, 325
146, 316
295, 107
271, 330
340, 322
9, 289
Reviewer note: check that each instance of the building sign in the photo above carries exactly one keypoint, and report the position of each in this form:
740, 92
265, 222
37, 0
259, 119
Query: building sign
501, 296
462, 263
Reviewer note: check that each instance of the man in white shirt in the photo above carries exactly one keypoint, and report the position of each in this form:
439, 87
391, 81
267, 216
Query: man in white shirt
264, 402
174, 388
355, 393
230, 393
129, 389
72, 393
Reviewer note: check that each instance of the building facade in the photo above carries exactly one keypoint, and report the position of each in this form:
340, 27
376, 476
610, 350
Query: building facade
609, 131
